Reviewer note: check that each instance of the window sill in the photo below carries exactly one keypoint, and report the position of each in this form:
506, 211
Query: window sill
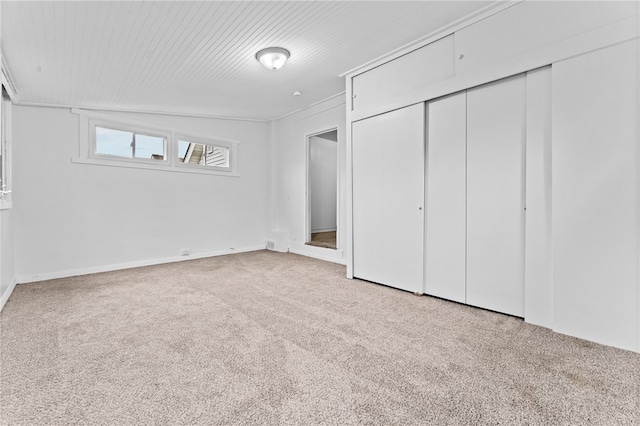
6, 204
163, 167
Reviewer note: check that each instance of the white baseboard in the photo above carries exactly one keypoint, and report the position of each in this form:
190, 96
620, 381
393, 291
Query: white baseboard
7, 293
115, 267
330, 255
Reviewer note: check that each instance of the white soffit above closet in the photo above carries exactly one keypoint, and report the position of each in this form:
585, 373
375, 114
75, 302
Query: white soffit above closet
198, 57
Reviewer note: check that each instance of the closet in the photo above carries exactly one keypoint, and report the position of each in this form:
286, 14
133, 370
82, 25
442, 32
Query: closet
473, 146
530, 154
388, 196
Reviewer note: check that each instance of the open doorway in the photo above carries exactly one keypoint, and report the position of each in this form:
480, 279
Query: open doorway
322, 189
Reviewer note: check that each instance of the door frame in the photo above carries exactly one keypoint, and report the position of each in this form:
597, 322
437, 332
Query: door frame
307, 182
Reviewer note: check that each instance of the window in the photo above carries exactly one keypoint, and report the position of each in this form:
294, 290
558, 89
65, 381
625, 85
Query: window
118, 143
107, 140
202, 154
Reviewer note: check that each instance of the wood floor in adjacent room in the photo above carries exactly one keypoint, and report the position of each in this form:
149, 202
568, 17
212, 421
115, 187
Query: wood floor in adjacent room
323, 239
269, 338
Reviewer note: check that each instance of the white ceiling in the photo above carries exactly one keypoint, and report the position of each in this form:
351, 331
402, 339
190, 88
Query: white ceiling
198, 57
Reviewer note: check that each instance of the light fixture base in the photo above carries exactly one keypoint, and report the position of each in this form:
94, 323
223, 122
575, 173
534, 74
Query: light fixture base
273, 58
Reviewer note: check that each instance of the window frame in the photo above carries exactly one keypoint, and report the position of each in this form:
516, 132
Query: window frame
219, 142
86, 154
135, 130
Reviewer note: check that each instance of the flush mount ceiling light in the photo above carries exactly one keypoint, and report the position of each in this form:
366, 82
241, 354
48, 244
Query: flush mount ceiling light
273, 57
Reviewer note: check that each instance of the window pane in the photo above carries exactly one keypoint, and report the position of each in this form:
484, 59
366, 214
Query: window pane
149, 147
217, 156
202, 154
114, 142
183, 146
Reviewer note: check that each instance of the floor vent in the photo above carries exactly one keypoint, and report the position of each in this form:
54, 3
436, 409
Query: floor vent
271, 245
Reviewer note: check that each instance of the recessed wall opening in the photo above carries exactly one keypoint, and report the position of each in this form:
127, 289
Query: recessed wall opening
322, 189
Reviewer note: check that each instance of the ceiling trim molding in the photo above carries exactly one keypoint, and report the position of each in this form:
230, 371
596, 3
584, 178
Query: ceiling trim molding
472, 18
177, 114
136, 111
8, 80
342, 93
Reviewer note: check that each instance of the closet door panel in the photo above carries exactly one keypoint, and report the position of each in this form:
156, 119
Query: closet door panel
404, 197
368, 180
495, 195
388, 196
446, 197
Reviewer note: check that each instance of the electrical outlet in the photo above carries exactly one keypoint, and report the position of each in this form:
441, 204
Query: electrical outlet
185, 252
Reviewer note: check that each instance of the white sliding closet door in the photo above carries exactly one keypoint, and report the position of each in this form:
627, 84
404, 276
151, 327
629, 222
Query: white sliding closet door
388, 196
495, 195
368, 184
446, 197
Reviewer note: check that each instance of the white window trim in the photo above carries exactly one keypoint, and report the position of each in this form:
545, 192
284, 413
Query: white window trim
86, 149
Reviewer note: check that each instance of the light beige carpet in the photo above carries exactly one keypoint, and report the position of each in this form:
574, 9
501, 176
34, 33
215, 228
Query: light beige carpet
268, 339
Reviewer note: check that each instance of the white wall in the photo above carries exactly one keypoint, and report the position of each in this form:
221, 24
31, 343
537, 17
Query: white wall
323, 173
75, 218
596, 204
288, 176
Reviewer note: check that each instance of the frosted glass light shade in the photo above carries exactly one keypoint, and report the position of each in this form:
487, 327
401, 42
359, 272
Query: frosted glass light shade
273, 58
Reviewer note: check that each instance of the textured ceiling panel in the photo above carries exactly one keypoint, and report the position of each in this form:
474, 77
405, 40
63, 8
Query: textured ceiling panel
198, 57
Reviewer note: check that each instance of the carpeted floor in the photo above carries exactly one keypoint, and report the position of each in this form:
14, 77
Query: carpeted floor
323, 239
268, 338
